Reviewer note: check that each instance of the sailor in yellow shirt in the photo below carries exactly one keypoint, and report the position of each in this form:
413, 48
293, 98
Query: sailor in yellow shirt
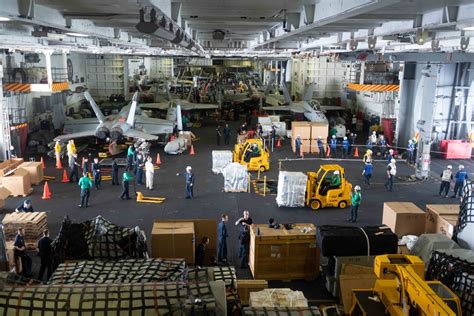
57, 152
71, 149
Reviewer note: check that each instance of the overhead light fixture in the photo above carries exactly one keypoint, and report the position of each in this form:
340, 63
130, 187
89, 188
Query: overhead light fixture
76, 34
469, 28
4, 19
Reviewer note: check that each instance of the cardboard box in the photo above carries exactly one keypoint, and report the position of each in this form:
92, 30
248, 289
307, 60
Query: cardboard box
433, 211
35, 170
309, 132
9, 165
18, 183
173, 240
245, 287
4, 193
445, 225
404, 218
202, 228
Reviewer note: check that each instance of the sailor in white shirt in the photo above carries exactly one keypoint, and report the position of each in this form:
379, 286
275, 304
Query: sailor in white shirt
149, 172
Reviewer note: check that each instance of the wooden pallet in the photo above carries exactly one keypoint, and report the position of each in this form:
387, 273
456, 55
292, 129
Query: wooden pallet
23, 195
33, 222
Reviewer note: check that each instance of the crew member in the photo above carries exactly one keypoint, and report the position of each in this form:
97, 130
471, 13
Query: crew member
73, 165
25, 206
333, 145
149, 173
410, 150
334, 182
19, 254
126, 178
140, 163
96, 173
460, 177
189, 177
130, 155
446, 177
391, 173
368, 170
355, 202
218, 135
57, 152
345, 147
321, 147
226, 134
245, 220
86, 184
222, 239
115, 168
45, 252
244, 250
383, 146
201, 252
298, 144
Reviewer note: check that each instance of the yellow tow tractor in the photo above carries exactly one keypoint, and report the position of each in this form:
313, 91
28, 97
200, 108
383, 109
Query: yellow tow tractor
320, 193
252, 154
401, 289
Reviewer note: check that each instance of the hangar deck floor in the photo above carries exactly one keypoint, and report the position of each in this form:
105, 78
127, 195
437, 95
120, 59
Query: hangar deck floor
210, 200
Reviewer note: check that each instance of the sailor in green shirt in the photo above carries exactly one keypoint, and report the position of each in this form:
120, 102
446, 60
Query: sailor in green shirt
355, 199
334, 182
126, 177
85, 183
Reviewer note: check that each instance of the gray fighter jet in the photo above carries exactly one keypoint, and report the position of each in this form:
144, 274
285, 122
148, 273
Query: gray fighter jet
126, 124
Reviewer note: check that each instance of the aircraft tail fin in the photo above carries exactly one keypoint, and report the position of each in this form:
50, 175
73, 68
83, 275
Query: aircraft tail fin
95, 107
286, 94
133, 109
309, 92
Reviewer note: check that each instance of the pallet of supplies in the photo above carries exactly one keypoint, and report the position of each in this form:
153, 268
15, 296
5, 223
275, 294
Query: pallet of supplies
35, 170
288, 252
32, 222
235, 178
291, 189
309, 133
279, 311
277, 298
158, 298
245, 287
220, 159
18, 183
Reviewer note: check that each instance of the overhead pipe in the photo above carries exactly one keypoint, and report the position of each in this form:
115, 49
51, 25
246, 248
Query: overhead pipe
168, 30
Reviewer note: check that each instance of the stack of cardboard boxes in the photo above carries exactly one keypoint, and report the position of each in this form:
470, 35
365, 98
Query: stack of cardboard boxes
441, 219
309, 133
17, 176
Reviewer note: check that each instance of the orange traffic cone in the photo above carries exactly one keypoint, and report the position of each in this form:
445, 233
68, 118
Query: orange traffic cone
46, 193
42, 163
328, 152
65, 178
158, 160
59, 165
279, 142
191, 152
356, 152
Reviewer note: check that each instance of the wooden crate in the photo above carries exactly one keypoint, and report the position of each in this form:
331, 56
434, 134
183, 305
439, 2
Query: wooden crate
173, 240
281, 254
245, 287
9, 165
35, 170
33, 222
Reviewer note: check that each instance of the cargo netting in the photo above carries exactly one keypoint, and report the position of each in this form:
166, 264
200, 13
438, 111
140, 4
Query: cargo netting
280, 311
174, 299
120, 271
466, 213
456, 274
98, 239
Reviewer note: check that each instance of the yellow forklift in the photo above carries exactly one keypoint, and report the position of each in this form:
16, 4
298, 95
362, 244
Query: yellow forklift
252, 154
401, 289
320, 193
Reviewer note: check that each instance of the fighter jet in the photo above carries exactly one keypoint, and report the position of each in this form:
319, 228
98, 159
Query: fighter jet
310, 108
126, 124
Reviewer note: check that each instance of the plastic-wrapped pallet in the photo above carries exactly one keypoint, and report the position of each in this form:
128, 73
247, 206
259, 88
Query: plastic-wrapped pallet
291, 189
235, 178
220, 159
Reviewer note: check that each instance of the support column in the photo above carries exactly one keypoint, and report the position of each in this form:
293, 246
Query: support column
49, 73
4, 122
125, 76
424, 126
64, 65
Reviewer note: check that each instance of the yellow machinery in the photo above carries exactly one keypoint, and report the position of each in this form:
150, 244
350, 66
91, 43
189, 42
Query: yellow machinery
317, 193
401, 290
252, 154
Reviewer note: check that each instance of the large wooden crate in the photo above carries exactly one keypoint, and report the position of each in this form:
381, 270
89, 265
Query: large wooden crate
281, 254
309, 133
35, 170
33, 223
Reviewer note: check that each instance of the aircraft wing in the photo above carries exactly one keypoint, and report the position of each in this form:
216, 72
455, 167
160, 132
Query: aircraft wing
198, 106
88, 133
153, 126
284, 108
155, 106
81, 125
133, 133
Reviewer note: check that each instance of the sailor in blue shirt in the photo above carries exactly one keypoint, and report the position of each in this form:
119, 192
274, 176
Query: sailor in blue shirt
189, 176
460, 177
